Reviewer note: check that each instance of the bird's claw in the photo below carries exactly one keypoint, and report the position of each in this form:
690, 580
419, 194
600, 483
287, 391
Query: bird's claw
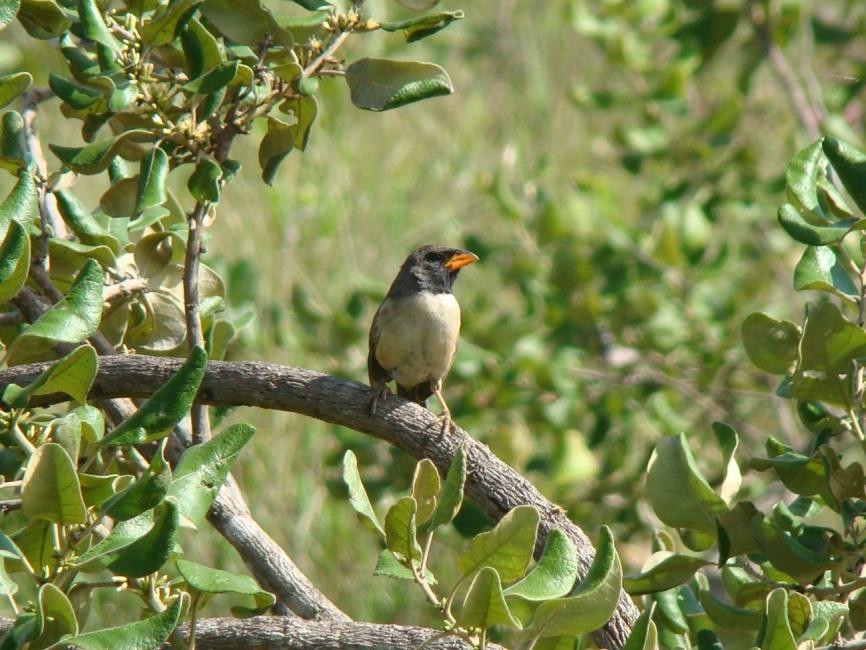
380, 394
446, 424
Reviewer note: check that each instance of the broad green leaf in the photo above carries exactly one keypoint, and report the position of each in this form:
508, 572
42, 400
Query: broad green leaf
122, 535
643, 632
787, 554
728, 616
484, 605
844, 482
50, 489
777, 633
215, 581
850, 165
245, 22
200, 48
382, 84
815, 235
147, 492
20, 205
82, 64
276, 144
771, 344
804, 475
150, 551
802, 176
204, 183
733, 478
92, 422
36, 542
43, 19
12, 152
8, 9
664, 570
165, 408
451, 497
820, 270
96, 157
400, 530
72, 320
734, 536
14, 261
119, 200
591, 604
829, 344
93, 25
507, 548
72, 375
12, 85
305, 110
554, 574
387, 565
799, 613
152, 175
150, 633
89, 230
98, 488
78, 96
425, 488
358, 495
165, 23
215, 80
827, 618
202, 470
9, 550
414, 29
678, 493
56, 615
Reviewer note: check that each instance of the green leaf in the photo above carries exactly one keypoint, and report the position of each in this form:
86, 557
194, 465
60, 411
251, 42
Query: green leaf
150, 633
72, 375
214, 581
165, 408
777, 631
799, 613
507, 548
787, 554
827, 618
12, 153
727, 616
204, 183
643, 633
387, 565
820, 270
122, 535
591, 604
50, 489
277, 143
425, 488
14, 261
20, 205
152, 176
803, 475
807, 233
8, 9
96, 157
733, 478
245, 22
202, 470
802, 176
12, 85
93, 26
484, 605
200, 48
150, 551
414, 29
678, 493
147, 492
78, 96
81, 222
56, 617
554, 574
43, 19
850, 165
382, 84
844, 483
305, 110
400, 531
358, 495
165, 23
664, 570
118, 201
215, 80
771, 344
418, 5
66, 432
92, 422
451, 497
72, 320
829, 345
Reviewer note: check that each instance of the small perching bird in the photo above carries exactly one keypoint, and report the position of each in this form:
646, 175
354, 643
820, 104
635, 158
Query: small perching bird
414, 334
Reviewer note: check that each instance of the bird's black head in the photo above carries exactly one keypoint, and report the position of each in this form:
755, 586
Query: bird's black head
431, 268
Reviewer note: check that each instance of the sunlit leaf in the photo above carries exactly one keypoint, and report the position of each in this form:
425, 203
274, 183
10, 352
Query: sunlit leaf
150, 551
12, 85
771, 344
484, 604
400, 529
383, 84
358, 495
663, 571
451, 496
425, 488
72, 375
215, 581
507, 548
820, 270
50, 488
850, 164
418, 27
96, 157
554, 574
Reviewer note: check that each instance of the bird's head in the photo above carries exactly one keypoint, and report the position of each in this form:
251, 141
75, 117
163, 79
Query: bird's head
432, 268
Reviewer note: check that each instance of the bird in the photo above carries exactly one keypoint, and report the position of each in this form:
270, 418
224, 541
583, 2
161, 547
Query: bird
413, 337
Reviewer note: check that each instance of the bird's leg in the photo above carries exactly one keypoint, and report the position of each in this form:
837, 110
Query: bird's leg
381, 393
445, 417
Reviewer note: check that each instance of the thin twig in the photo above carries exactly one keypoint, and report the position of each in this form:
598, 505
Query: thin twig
328, 52
123, 289
194, 332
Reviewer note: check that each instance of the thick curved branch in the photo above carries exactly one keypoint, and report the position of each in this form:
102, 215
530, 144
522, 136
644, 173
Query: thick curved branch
491, 484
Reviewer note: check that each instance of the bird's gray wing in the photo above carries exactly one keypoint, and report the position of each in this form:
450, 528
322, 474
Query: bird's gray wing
378, 375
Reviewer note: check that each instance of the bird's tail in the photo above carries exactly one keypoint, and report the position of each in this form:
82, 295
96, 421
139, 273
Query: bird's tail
418, 394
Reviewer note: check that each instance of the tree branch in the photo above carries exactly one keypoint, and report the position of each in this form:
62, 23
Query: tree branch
194, 333
491, 484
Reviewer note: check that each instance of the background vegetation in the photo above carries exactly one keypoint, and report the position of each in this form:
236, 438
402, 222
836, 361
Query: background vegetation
618, 167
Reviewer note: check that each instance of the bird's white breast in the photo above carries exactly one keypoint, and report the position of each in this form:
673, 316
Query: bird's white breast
418, 336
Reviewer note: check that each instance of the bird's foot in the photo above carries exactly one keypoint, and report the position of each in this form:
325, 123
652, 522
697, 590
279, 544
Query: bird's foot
446, 424
381, 394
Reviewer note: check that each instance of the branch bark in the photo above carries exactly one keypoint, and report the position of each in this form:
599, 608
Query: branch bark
494, 486
194, 333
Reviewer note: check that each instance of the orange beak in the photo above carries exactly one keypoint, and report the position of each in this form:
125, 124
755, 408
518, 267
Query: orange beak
461, 259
